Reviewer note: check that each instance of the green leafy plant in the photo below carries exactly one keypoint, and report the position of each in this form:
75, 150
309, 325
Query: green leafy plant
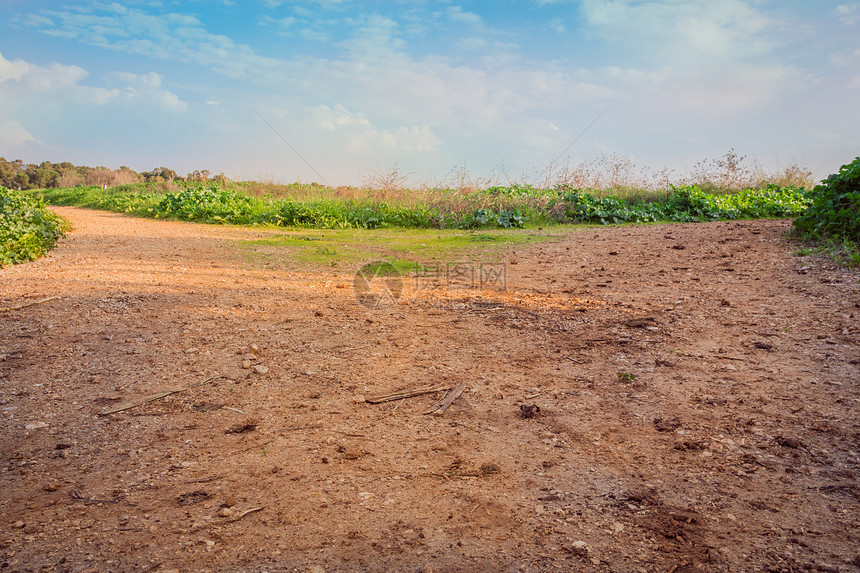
835, 208
515, 206
27, 228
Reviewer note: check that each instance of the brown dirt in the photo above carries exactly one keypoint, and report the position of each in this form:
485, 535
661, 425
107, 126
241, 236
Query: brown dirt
697, 390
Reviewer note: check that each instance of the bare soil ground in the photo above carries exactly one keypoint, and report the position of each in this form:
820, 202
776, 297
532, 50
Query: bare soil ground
697, 390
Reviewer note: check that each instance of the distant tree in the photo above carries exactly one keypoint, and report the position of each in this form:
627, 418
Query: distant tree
7, 173
44, 178
159, 175
21, 181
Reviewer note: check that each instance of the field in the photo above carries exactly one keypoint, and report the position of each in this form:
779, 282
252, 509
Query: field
674, 397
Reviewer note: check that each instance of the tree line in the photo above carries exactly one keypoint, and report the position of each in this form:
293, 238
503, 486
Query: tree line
19, 175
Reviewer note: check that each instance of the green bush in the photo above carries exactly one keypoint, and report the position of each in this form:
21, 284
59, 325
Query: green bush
206, 205
835, 209
27, 229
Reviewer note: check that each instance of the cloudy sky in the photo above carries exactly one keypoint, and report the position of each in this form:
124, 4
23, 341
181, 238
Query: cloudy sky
335, 90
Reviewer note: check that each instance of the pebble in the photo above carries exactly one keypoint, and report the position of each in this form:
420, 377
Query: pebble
246, 364
35, 426
579, 548
226, 512
261, 369
19, 524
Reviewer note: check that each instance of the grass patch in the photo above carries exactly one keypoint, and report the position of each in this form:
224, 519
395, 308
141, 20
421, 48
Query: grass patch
409, 250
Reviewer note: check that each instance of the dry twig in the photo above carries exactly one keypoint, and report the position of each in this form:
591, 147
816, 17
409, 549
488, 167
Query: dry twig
448, 399
400, 394
156, 396
26, 304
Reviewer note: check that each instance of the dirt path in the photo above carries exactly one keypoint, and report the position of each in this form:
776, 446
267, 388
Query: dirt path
697, 390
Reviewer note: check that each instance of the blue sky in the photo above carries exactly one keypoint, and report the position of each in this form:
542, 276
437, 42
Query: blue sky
499, 88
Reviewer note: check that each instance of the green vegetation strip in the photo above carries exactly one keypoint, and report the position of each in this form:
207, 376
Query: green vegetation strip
496, 207
27, 228
832, 222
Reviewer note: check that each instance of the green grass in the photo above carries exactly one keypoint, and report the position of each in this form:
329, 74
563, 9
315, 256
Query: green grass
27, 229
410, 250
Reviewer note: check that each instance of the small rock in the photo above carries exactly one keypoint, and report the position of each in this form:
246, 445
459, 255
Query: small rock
249, 357
254, 349
261, 368
247, 426
579, 548
529, 411
226, 512
50, 486
35, 426
18, 524
789, 442
316, 569
667, 424
246, 364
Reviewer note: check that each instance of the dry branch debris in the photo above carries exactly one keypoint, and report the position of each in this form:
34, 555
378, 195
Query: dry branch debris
156, 396
446, 400
26, 304
400, 394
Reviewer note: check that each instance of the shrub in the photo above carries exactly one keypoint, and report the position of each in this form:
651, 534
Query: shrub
27, 228
835, 209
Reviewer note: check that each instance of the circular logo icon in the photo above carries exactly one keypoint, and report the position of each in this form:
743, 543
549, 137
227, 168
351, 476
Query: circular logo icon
378, 285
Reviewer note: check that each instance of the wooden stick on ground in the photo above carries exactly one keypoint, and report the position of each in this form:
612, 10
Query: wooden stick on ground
26, 304
156, 396
246, 512
406, 394
448, 399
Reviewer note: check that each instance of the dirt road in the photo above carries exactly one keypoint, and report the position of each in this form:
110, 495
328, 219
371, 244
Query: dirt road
696, 393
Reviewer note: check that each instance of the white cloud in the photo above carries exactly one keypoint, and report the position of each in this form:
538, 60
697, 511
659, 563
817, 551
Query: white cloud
374, 37
40, 78
330, 118
13, 134
849, 13
681, 32
168, 37
457, 14
418, 139
65, 80
147, 88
